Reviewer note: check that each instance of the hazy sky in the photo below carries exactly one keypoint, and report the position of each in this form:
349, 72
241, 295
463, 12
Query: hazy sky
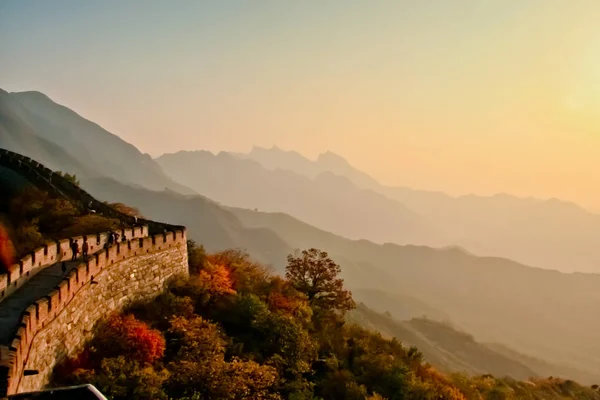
480, 96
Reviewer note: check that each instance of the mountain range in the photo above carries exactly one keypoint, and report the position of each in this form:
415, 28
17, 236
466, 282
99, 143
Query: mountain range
550, 234
32, 124
538, 319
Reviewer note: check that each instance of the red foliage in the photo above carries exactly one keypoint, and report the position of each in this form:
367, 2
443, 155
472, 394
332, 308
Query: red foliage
7, 251
125, 335
69, 366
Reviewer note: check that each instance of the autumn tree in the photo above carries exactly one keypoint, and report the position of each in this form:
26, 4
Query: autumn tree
125, 209
199, 367
316, 275
7, 250
127, 336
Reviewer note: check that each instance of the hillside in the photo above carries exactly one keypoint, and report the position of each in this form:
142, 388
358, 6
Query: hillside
326, 201
214, 227
442, 346
491, 298
232, 331
549, 234
35, 126
17, 135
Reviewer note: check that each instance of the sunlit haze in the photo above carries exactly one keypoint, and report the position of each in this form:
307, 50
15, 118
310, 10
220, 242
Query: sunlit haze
459, 96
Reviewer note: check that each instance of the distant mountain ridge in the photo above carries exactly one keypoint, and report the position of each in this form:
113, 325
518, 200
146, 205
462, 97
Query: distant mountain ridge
33, 125
329, 201
550, 233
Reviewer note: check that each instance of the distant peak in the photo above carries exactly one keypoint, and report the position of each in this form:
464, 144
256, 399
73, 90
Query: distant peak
274, 150
330, 157
32, 93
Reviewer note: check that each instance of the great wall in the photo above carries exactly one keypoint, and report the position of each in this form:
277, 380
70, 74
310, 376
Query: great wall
49, 305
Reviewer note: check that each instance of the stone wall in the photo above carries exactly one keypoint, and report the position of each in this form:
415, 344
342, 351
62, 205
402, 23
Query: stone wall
58, 325
54, 252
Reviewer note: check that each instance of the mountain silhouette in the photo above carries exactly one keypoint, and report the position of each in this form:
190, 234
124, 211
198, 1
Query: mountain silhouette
31, 120
550, 233
328, 201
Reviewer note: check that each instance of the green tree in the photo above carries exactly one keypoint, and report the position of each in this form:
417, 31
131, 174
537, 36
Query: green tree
70, 177
196, 257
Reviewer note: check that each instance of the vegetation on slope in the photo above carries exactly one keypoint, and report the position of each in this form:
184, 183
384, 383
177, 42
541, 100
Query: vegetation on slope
34, 217
232, 330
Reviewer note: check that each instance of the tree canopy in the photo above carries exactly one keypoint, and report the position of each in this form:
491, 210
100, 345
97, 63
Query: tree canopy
315, 274
234, 331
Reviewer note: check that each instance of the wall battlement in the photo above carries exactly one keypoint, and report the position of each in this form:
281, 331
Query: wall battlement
53, 252
41, 315
58, 324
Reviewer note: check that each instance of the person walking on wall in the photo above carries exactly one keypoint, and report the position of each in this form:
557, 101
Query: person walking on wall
84, 249
75, 249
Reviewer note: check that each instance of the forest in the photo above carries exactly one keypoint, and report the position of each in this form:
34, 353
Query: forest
234, 330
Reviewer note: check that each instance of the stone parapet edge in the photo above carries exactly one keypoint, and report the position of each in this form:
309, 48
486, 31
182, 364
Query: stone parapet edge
53, 252
44, 310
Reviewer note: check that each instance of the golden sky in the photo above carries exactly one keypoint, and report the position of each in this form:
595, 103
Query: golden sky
463, 96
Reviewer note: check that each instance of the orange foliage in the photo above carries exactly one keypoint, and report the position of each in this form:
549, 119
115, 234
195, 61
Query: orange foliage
216, 279
125, 335
283, 297
7, 251
245, 274
440, 382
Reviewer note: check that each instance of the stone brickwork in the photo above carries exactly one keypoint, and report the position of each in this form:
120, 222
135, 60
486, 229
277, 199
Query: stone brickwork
137, 278
59, 324
54, 252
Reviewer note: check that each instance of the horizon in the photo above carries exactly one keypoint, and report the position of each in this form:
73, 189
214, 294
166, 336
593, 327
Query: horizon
375, 85
316, 158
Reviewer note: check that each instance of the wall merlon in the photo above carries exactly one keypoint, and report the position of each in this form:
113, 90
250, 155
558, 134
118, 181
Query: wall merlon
93, 266
3, 284
63, 290
42, 310
53, 302
31, 314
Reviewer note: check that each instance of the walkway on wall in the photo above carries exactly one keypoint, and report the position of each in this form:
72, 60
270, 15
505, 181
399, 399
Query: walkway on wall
34, 289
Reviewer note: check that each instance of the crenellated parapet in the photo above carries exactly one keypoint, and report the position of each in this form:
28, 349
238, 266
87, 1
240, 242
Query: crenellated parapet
59, 321
40, 315
54, 252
